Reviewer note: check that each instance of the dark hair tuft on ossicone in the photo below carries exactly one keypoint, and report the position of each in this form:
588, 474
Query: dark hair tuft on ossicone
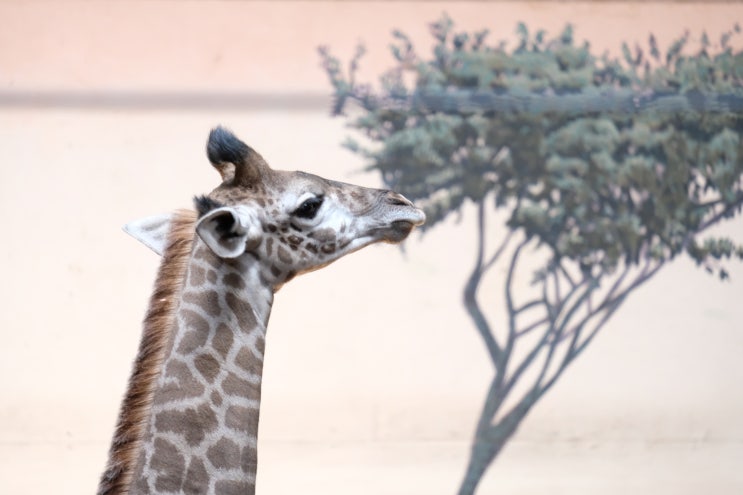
224, 147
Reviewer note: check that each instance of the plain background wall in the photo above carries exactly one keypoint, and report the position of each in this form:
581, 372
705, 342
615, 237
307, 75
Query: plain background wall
374, 374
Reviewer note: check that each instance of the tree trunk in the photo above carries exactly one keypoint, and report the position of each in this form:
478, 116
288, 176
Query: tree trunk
484, 452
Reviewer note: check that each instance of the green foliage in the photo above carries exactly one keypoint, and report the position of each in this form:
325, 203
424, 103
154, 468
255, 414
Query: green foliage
598, 188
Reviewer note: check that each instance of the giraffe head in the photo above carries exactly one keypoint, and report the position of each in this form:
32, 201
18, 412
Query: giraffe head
291, 222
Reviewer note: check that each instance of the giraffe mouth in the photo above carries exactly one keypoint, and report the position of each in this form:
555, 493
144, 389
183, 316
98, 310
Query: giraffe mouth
401, 228
398, 231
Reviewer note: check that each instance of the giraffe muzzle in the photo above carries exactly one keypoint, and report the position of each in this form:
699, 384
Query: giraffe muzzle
405, 209
403, 217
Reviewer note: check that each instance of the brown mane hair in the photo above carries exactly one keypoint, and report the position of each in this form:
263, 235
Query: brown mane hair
156, 334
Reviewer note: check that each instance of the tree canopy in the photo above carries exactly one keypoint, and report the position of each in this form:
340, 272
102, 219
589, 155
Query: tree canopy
594, 185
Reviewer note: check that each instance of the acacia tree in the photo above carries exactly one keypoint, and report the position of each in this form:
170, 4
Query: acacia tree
606, 170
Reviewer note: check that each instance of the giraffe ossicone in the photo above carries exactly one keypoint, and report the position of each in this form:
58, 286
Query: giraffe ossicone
189, 421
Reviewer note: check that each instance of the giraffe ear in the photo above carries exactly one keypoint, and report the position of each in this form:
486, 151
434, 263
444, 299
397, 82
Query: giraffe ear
151, 231
228, 230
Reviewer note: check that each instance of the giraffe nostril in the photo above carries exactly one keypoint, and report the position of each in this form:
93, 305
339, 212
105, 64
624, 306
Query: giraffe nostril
395, 199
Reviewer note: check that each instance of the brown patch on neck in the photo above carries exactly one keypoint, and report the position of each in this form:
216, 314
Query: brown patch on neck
158, 325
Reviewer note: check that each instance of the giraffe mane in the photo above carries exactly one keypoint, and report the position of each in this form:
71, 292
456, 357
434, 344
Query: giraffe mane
157, 329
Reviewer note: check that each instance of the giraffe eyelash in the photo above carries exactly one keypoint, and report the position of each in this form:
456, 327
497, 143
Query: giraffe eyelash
309, 208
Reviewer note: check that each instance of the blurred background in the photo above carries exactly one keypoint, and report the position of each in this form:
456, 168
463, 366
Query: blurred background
374, 374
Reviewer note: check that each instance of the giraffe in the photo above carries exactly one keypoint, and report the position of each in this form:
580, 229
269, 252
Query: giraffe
189, 420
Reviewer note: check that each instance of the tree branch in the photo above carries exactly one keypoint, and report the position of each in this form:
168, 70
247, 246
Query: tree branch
608, 306
529, 305
591, 283
551, 331
566, 274
493, 401
608, 300
493, 259
551, 311
532, 326
510, 305
547, 361
619, 281
470, 295
556, 283
613, 304
720, 215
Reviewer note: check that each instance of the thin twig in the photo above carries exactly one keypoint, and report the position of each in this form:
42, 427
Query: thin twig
618, 282
556, 279
531, 327
509, 301
494, 258
591, 283
567, 275
547, 361
529, 305
715, 218
552, 308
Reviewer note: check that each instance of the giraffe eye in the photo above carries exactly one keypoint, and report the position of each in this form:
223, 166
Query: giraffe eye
309, 208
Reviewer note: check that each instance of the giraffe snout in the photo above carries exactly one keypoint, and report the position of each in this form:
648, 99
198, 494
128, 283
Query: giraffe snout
402, 212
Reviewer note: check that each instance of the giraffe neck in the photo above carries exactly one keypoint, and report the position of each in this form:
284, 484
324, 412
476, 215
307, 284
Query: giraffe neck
156, 334
202, 430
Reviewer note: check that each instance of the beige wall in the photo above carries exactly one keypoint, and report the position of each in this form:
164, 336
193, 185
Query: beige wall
374, 374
